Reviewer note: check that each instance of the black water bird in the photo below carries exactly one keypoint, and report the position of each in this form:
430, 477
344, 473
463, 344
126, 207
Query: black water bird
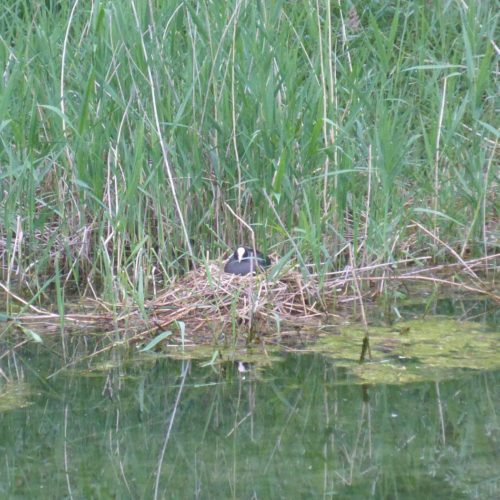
244, 261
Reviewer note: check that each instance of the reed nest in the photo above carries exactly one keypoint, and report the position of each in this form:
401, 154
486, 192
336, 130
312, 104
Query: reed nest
207, 300
289, 299
208, 294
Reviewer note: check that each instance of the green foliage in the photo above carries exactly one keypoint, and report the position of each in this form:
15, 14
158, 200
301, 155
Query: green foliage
267, 108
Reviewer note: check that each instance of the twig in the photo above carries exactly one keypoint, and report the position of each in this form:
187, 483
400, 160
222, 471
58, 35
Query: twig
459, 258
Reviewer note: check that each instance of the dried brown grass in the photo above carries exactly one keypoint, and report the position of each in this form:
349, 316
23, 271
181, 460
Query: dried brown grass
208, 301
208, 294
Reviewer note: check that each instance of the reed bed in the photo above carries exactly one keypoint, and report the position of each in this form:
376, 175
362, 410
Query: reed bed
138, 136
208, 302
141, 139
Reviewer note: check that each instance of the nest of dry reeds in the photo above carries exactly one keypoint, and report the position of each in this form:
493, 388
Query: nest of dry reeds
208, 294
208, 298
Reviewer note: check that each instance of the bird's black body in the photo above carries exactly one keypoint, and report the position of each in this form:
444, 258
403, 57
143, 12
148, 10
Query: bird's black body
244, 261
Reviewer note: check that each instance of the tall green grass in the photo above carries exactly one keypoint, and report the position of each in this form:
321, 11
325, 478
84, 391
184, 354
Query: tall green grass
132, 130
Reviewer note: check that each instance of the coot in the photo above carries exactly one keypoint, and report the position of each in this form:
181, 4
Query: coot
244, 261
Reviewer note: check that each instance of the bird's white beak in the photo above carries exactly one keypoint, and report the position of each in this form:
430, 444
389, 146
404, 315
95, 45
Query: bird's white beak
240, 252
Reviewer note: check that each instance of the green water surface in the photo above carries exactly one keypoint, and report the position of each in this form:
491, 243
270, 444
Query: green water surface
289, 425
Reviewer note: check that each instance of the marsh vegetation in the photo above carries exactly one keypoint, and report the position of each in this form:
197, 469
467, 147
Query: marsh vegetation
356, 143
141, 139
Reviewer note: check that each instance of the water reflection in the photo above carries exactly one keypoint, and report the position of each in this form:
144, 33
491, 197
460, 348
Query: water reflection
296, 429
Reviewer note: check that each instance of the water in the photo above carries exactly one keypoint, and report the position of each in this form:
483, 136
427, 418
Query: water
262, 425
